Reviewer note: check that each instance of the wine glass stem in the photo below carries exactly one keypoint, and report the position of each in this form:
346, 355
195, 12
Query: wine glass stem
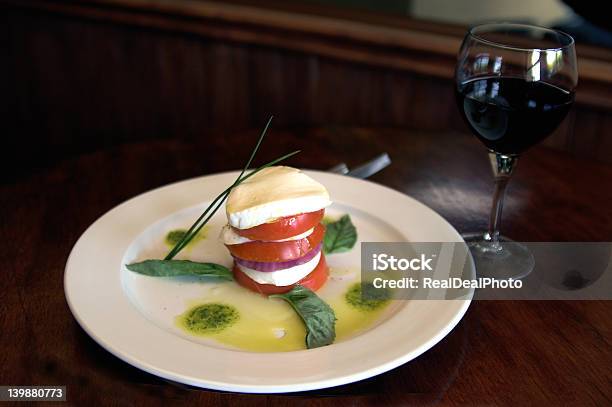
502, 166
496, 209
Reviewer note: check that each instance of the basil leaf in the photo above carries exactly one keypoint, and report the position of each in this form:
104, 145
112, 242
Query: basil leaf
317, 315
340, 236
175, 268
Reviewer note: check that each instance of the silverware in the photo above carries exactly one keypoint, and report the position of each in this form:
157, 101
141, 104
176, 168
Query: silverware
364, 170
339, 169
371, 167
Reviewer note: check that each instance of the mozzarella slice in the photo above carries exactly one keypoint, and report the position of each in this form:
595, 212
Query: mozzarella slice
230, 237
273, 193
283, 277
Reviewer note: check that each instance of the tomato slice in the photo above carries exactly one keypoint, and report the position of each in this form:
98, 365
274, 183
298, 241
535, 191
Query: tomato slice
278, 251
284, 227
314, 280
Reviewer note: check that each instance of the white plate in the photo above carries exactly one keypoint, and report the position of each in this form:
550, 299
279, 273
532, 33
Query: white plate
131, 315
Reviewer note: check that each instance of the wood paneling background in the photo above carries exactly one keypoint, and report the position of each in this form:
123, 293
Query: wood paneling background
72, 84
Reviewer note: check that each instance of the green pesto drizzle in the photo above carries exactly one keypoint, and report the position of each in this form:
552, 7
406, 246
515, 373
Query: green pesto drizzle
376, 297
209, 318
175, 236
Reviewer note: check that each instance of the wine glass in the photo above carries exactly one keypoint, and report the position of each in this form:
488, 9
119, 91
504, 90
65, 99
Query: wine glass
514, 84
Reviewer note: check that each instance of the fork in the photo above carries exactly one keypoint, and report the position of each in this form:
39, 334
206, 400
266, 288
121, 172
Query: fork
364, 170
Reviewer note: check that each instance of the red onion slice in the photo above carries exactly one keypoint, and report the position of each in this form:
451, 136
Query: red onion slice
279, 265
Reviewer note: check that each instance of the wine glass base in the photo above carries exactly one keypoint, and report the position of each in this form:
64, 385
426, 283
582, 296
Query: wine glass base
501, 260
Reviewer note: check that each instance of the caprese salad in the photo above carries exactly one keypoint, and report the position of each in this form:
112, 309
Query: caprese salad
274, 231
277, 239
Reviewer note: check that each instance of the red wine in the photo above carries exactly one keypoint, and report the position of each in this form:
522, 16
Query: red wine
509, 115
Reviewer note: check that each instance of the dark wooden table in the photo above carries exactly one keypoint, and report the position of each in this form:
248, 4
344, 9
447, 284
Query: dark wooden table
509, 353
